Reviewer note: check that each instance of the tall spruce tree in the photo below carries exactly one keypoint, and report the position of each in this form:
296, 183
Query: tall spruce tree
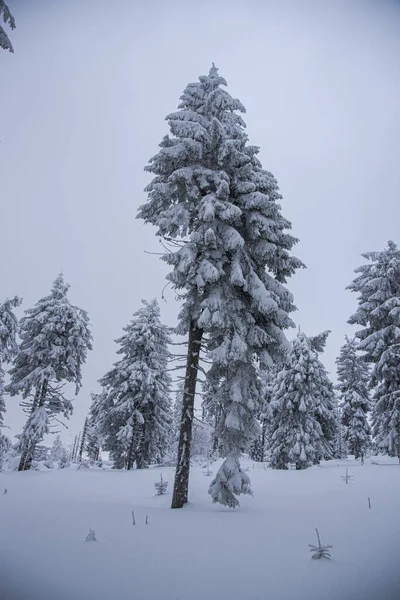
378, 313
211, 199
296, 432
136, 425
353, 377
8, 343
325, 401
55, 339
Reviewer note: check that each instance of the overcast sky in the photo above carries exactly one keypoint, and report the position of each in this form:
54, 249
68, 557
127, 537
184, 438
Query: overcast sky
82, 108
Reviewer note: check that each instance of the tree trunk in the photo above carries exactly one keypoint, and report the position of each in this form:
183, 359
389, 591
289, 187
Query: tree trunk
181, 484
27, 453
131, 456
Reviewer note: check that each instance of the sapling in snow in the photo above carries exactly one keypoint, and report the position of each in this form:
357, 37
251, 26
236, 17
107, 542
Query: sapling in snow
161, 486
320, 551
5, 492
347, 477
91, 536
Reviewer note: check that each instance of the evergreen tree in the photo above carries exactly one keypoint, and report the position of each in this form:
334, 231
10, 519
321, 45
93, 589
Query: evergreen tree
82, 447
260, 444
353, 378
93, 433
8, 343
135, 402
230, 258
296, 433
378, 313
55, 338
341, 449
9, 20
57, 451
325, 402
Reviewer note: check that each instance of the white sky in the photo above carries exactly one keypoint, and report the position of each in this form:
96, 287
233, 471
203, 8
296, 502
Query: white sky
82, 105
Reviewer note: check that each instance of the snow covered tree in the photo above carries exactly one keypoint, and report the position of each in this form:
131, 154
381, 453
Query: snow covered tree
378, 313
218, 209
353, 380
8, 343
93, 442
55, 339
57, 452
296, 433
259, 446
135, 402
9, 20
341, 450
82, 446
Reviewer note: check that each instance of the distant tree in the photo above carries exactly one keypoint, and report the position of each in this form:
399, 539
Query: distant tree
353, 380
93, 437
55, 339
219, 210
260, 444
82, 446
378, 314
296, 433
58, 453
135, 410
8, 343
9, 20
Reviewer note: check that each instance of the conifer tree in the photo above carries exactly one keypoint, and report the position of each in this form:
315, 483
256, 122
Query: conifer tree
8, 19
353, 378
136, 423
82, 446
8, 343
229, 253
260, 444
341, 450
57, 451
93, 433
55, 339
378, 314
296, 433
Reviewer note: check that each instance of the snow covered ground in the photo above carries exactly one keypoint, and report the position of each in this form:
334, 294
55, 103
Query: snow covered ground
204, 551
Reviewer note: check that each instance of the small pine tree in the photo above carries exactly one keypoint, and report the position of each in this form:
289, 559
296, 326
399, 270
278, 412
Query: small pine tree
55, 339
57, 452
353, 378
378, 313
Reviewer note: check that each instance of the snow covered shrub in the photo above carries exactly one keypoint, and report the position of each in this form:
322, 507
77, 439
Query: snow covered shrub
161, 486
320, 551
91, 536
